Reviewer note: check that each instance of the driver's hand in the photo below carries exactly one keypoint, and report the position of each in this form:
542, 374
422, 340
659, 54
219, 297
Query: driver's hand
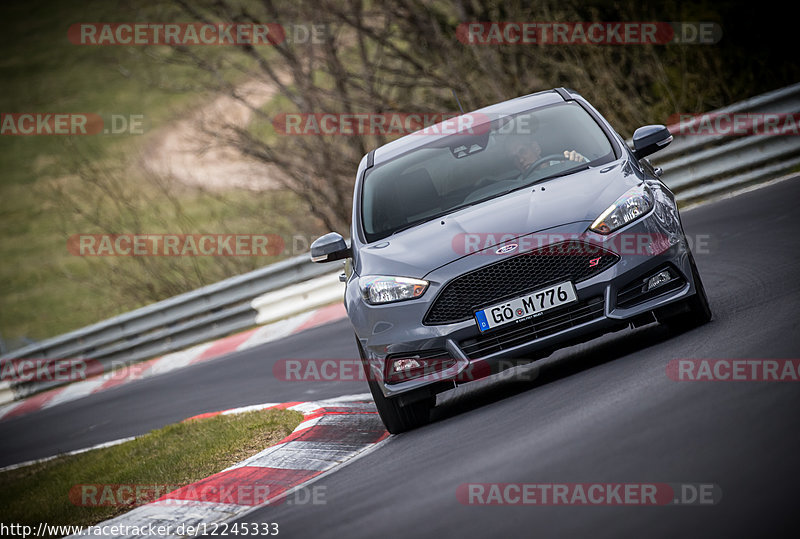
574, 156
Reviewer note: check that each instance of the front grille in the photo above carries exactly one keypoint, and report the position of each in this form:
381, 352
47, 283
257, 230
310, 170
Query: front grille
512, 277
528, 330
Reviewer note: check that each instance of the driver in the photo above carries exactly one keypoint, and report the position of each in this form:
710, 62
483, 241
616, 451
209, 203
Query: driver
525, 151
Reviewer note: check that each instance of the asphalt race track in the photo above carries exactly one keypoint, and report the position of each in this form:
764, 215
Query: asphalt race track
607, 412
234, 380
604, 411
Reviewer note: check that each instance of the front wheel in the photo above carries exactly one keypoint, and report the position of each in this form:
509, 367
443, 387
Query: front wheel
699, 310
396, 418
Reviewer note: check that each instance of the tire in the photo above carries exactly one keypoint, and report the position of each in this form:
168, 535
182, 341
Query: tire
699, 310
396, 418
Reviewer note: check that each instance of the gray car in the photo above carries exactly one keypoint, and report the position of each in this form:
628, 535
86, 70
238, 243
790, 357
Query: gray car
501, 236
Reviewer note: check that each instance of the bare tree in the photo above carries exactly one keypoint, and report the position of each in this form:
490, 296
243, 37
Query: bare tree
404, 56
386, 56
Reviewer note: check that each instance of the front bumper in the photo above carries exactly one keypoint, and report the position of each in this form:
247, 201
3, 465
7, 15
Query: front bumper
397, 330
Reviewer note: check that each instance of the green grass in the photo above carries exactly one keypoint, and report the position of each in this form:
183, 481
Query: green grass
178, 455
44, 291
42, 72
49, 291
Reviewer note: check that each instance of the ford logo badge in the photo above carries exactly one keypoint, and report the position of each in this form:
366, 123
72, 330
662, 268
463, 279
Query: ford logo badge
504, 250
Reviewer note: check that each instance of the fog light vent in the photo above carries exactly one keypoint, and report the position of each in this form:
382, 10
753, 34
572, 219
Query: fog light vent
403, 365
400, 369
659, 279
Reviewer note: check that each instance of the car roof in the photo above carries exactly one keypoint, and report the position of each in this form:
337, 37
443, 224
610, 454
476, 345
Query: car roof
510, 107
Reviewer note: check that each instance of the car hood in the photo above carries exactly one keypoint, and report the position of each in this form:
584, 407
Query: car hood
576, 199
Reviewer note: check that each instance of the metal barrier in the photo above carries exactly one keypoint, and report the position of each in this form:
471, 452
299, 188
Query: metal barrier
699, 165
206, 313
695, 166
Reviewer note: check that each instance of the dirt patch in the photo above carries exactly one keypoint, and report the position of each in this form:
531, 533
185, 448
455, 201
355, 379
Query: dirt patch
188, 152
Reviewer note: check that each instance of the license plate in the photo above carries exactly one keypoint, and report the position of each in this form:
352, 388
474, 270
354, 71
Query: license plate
527, 306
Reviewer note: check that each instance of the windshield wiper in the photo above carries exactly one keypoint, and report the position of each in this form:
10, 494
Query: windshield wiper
426, 219
409, 225
498, 194
559, 174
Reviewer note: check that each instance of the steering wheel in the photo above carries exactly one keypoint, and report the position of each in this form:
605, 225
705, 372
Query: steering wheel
491, 188
542, 160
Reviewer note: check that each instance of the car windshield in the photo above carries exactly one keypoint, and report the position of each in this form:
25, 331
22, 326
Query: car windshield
464, 169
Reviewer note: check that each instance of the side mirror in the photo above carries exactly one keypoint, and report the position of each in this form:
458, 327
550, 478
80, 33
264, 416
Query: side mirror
329, 247
649, 139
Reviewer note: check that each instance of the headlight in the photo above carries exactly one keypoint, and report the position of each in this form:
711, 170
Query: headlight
386, 289
629, 207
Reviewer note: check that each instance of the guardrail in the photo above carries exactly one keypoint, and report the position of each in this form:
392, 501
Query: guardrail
699, 165
694, 166
173, 324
